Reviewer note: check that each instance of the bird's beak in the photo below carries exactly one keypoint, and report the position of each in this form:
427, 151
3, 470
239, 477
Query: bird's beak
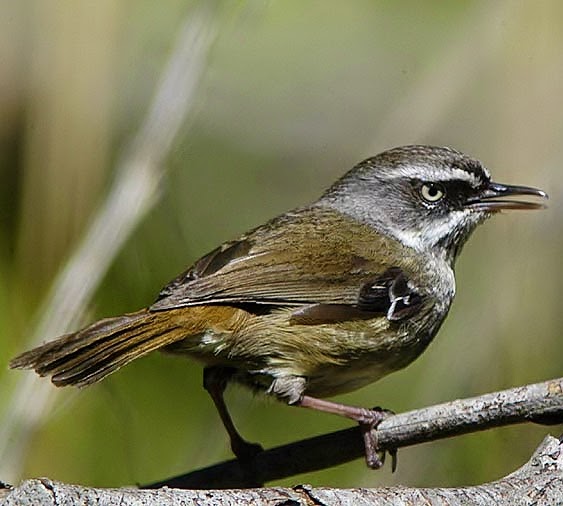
493, 198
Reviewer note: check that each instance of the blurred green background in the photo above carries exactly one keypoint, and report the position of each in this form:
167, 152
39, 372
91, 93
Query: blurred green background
294, 93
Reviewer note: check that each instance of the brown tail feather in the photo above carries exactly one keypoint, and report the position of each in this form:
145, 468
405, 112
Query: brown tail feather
89, 355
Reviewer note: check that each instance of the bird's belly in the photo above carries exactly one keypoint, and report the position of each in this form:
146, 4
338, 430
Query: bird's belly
341, 379
331, 379
333, 359
357, 355
341, 359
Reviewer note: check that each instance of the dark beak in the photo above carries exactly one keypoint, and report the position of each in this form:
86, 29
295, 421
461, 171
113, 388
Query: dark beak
494, 198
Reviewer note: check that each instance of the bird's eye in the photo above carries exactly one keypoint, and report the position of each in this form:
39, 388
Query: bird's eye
432, 192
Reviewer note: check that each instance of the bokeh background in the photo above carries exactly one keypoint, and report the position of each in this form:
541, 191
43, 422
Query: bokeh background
292, 94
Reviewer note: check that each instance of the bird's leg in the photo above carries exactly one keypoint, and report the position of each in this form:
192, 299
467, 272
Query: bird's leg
215, 381
368, 420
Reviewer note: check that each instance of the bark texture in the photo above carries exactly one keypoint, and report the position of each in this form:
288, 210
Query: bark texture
539, 482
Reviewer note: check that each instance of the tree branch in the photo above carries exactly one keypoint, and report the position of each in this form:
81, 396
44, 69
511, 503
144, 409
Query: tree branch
539, 481
539, 403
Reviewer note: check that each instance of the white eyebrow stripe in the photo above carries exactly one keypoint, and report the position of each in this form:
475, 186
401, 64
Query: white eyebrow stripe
434, 174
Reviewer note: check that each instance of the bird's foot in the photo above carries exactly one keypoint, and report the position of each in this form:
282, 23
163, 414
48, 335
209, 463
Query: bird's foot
368, 419
245, 451
368, 422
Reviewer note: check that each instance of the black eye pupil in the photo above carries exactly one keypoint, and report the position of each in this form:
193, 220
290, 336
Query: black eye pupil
432, 191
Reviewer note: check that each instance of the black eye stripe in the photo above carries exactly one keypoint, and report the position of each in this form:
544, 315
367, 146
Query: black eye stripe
456, 192
460, 191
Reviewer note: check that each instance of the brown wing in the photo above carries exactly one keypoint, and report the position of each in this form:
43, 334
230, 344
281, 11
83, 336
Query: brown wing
302, 258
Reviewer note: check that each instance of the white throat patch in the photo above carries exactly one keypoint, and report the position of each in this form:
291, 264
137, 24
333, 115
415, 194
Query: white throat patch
430, 235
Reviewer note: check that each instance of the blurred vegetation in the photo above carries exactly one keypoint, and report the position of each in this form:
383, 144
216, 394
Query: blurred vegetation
293, 95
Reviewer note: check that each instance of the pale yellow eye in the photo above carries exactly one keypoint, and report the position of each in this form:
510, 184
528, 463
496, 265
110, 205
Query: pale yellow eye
432, 192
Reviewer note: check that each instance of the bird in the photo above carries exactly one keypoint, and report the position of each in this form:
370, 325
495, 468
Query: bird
319, 301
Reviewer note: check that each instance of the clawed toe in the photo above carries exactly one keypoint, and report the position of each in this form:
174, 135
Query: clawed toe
368, 419
383, 412
375, 458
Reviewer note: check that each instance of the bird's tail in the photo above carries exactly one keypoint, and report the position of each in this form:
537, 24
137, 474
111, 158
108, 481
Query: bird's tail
89, 355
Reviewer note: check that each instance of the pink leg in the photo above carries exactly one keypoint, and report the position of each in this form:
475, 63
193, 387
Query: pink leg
367, 418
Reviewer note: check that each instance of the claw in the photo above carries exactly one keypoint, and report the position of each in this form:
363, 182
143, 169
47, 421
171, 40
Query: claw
374, 457
393, 453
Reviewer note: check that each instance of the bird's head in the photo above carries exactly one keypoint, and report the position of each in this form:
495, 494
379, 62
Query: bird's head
429, 198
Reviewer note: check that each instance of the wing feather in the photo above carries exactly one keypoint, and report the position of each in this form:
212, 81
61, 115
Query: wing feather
313, 256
